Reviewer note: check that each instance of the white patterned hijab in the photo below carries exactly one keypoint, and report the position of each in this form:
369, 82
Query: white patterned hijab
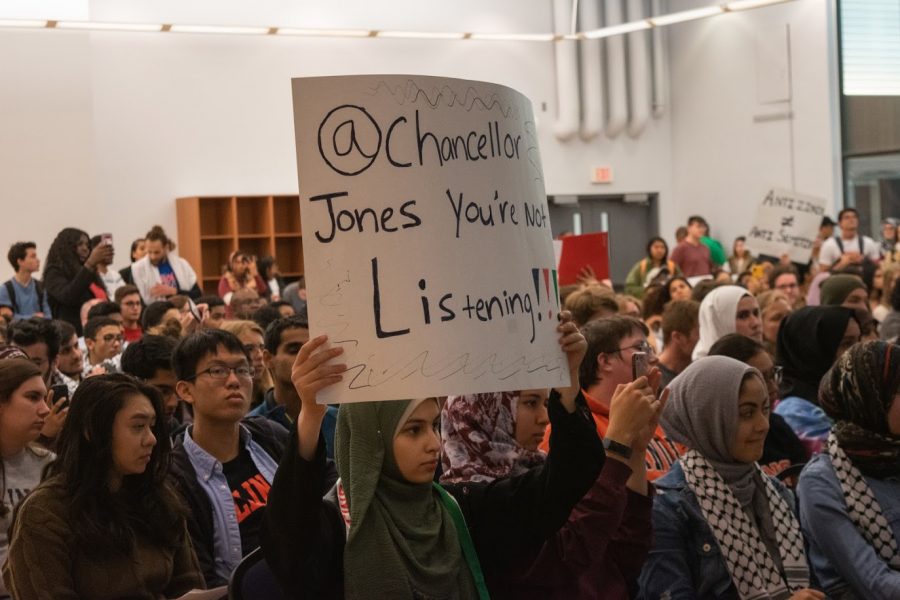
702, 413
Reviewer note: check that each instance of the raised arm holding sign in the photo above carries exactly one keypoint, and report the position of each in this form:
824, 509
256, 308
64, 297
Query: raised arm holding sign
426, 236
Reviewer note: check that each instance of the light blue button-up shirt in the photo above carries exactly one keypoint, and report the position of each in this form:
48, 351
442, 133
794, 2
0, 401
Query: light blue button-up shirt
227, 537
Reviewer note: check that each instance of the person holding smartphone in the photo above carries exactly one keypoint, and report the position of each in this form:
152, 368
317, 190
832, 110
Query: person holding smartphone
23, 411
610, 362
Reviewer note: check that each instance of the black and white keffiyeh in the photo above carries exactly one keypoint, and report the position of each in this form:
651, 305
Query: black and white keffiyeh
862, 506
755, 574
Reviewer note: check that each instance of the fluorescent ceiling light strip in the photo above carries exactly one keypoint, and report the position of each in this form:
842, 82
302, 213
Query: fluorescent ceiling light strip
748, 4
513, 37
95, 26
23, 23
617, 29
219, 29
421, 35
324, 32
686, 15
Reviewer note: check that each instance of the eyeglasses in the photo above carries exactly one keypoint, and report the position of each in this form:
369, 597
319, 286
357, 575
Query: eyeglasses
133, 303
775, 375
222, 372
787, 286
642, 346
110, 337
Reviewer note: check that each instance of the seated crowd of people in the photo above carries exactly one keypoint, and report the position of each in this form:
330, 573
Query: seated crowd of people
731, 431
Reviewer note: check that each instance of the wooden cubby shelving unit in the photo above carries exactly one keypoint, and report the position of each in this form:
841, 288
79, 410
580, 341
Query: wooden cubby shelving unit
212, 227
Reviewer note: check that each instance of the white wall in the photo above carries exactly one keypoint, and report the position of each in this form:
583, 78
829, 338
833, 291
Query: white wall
724, 70
103, 130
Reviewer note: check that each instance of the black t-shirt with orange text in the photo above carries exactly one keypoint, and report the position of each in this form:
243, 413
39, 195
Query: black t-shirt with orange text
250, 492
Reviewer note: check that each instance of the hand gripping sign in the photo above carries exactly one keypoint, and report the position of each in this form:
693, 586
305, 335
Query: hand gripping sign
426, 236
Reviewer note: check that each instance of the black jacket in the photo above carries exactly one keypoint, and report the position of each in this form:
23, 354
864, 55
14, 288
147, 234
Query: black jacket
271, 437
66, 294
303, 534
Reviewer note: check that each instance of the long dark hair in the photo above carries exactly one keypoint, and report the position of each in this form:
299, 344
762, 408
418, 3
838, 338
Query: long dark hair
105, 523
13, 373
63, 253
652, 241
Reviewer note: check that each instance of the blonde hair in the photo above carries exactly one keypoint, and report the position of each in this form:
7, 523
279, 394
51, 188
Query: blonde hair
237, 328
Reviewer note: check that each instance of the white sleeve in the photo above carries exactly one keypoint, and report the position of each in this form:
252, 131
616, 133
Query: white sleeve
830, 253
872, 248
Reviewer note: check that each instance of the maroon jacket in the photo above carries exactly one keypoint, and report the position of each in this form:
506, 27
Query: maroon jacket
599, 552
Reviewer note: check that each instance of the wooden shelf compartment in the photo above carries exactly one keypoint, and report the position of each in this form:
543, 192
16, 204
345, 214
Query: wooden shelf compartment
216, 216
256, 245
286, 214
289, 252
214, 255
254, 215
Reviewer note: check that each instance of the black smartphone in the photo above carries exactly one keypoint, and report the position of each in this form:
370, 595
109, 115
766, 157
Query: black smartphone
639, 365
60, 394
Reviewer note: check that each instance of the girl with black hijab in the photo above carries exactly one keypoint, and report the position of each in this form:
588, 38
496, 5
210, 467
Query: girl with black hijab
70, 274
809, 341
850, 495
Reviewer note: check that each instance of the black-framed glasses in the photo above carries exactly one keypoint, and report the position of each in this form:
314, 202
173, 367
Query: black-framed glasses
110, 337
642, 346
222, 372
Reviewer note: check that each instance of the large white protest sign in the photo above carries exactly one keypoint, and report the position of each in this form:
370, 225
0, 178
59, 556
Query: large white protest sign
426, 236
786, 223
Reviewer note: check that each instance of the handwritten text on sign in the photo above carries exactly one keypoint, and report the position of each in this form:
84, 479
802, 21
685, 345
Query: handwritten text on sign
426, 236
786, 223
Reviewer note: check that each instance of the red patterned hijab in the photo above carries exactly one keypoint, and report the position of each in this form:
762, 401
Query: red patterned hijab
479, 439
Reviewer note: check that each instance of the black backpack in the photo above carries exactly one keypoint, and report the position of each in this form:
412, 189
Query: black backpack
11, 291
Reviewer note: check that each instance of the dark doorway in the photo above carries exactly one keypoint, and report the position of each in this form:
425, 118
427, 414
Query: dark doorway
631, 220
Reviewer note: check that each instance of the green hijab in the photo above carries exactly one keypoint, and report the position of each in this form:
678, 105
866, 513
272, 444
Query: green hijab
835, 289
402, 541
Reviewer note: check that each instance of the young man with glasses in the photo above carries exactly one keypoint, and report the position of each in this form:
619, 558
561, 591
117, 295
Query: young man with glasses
224, 464
129, 300
103, 339
608, 364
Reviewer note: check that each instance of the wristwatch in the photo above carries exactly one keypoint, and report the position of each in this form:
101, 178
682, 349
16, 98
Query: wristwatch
617, 448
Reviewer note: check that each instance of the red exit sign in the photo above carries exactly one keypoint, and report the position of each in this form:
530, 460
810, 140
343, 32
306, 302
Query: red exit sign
602, 175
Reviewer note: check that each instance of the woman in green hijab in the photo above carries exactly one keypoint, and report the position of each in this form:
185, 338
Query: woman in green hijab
385, 530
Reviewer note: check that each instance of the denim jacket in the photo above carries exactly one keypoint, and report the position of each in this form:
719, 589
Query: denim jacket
841, 558
685, 562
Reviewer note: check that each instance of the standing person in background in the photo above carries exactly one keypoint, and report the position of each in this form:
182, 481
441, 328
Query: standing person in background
112, 279
716, 251
162, 273
70, 274
740, 259
268, 270
691, 255
240, 275
656, 266
849, 249
138, 250
24, 293
23, 409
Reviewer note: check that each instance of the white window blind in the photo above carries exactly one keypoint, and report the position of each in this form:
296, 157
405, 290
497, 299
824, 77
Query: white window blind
870, 47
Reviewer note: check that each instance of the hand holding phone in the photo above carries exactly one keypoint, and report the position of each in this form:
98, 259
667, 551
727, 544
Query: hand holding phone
640, 365
60, 396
